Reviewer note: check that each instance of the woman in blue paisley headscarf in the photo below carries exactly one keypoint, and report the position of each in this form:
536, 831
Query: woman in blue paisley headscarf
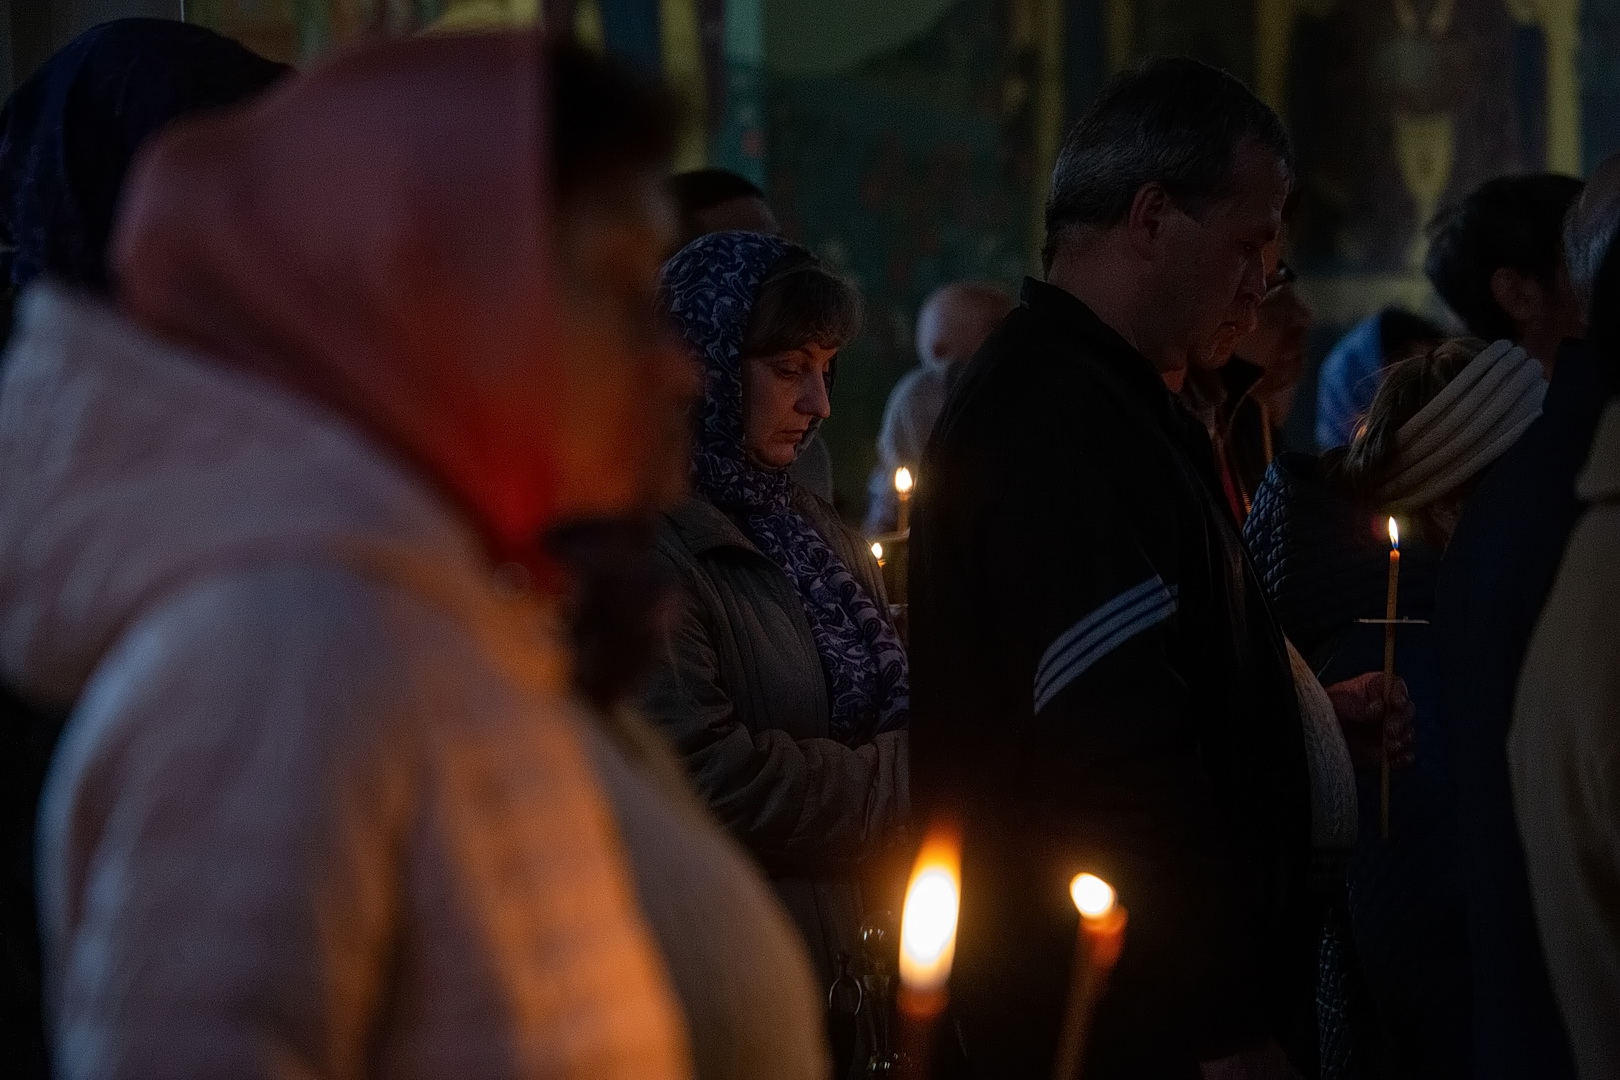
784, 683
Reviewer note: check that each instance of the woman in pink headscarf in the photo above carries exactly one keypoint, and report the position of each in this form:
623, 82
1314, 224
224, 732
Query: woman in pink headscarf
325, 806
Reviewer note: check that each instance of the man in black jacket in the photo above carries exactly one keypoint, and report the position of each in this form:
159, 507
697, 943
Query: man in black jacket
1097, 681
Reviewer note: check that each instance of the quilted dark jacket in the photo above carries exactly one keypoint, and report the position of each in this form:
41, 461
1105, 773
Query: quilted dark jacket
1324, 559
741, 694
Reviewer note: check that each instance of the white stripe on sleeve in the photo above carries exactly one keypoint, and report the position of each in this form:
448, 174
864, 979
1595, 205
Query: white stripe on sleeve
1100, 633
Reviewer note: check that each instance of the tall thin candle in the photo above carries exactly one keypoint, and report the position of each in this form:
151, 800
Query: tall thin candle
1390, 606
903, 483
928, 945
1097, 947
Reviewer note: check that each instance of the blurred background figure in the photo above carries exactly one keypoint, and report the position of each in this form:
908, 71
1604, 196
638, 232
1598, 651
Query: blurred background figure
1352, 369
1493, 584
1318, 539
1497, 260
1277, 348
1243, 389
67, 137
954, 321
1564, 744
327, 795
784, 685
68, 134
716, 200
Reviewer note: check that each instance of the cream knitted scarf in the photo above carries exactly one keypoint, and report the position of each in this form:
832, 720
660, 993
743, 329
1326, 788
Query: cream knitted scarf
1468, 425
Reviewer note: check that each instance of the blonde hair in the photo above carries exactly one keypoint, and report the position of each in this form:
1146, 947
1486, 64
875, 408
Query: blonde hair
1406, 387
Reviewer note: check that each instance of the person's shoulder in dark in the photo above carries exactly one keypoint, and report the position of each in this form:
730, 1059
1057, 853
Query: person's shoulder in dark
1528, 495
1311, 544
1017, 393
1297, 493
1295, 503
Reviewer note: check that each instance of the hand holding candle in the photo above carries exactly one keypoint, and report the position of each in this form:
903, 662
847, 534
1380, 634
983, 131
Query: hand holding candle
1097, 947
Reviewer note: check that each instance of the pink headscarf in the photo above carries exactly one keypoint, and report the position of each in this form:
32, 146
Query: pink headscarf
375, 234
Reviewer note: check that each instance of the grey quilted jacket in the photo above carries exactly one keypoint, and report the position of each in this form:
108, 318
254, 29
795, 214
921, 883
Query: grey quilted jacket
741, 693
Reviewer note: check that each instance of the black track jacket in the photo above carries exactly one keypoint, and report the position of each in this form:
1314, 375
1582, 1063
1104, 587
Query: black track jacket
1098, 683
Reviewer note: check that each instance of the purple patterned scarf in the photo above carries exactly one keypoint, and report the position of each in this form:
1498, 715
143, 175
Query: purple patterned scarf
709, 288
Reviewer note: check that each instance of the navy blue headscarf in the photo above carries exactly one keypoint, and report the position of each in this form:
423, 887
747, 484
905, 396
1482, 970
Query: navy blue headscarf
710, 287
68, 134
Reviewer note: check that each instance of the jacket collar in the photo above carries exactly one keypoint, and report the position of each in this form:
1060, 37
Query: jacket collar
703, 527
1213, 396
1076, 320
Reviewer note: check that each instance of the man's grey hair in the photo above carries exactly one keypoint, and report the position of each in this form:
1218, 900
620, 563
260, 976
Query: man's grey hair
1588, 234
1177, 122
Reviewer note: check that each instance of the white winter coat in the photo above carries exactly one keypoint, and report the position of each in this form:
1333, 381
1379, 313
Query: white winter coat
324, 808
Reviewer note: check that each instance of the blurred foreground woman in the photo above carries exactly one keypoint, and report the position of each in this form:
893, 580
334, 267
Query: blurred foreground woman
67, 136
324, 807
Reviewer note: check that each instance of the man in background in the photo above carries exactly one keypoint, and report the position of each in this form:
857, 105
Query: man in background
1097, 681
1497, 260
953, 323
715, 200
1493, 584
1564, 746
1353, 368
1243, 389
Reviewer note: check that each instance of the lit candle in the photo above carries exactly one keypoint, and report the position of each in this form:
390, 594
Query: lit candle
903, 483
928, 923
1097, 946
928, 944
1389, 673
877, 552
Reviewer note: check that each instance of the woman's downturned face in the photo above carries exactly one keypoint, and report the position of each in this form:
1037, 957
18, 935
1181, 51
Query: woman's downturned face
784, 394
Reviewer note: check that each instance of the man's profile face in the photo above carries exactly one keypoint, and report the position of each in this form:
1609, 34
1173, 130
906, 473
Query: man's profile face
1212, 272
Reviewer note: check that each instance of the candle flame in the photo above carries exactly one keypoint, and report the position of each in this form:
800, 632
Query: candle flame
1093, 896
928, 921
1394, 535
877, 551
903, 481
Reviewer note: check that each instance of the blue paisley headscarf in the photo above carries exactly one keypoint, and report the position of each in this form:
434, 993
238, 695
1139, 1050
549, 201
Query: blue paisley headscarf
710, 287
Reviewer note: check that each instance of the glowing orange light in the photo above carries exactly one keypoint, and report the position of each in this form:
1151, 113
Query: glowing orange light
1093, 896
1394, 535
903, 481
877, 551
928, 921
